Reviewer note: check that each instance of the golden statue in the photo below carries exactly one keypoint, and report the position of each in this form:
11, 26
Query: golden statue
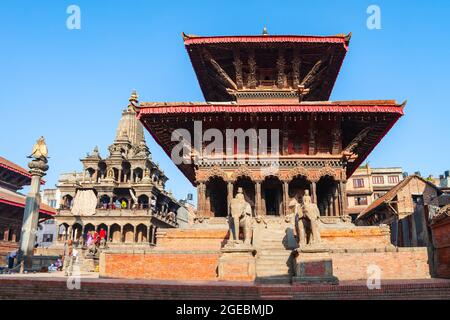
40, 150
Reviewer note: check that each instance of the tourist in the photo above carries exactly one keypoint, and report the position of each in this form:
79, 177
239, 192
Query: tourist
10, 258
102, 234
89, 239
68, 251
124, 204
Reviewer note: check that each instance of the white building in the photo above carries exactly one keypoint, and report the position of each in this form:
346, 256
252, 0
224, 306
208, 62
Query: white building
47, 232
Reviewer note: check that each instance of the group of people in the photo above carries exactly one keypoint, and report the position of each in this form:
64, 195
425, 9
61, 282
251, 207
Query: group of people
94, 238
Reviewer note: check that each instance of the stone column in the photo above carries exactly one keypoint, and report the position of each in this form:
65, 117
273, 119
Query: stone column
229, 195
314, 192
285, 197
38, 168
258, 198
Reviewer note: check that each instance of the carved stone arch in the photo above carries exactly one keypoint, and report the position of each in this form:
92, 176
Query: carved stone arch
244, 171
213, 172
298, 172
327, 171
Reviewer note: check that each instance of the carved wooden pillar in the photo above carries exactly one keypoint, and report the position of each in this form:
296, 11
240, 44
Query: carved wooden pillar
229, 195
252, 70
296, 69
312, 137
285, 197
314, 192
201, 198
343, 194
281, 64
258, 198
285, 143
238, 68
330, 204
336, 137
336, 210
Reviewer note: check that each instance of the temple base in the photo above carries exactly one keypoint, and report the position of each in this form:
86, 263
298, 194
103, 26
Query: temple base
237, 262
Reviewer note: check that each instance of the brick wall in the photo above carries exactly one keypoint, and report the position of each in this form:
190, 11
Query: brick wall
406, 263
441, 241
356, 237
160, 265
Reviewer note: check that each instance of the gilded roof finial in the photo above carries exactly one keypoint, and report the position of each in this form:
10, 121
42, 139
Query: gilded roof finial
133, 100
265, 33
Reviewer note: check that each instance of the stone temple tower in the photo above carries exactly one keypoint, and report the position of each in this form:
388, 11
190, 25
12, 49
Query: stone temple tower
123, 193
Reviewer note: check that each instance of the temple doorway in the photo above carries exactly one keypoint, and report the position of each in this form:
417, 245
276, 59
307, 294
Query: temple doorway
216, 197
298, 185
248, 188
272, 195
326, 188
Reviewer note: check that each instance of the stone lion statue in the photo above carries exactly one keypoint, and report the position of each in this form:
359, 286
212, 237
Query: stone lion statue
240, 216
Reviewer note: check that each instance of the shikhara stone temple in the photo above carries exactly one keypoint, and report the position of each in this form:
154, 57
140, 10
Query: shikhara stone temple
123, 194
273, 211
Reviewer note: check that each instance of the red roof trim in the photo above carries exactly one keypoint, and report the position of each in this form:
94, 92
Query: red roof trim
364, 157
22, 205
262, 109
267, 39
5, 163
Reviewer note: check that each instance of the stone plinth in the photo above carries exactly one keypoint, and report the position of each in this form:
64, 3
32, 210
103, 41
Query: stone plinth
237, 263
313, 265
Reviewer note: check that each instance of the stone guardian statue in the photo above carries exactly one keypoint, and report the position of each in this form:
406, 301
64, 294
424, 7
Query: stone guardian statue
240, 216
311, 214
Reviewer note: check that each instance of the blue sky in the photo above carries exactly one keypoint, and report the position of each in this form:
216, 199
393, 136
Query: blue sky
71, 85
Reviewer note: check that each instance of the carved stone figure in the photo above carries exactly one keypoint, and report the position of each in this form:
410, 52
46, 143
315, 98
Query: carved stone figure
307, 219
240, 216
311, 213
295, 208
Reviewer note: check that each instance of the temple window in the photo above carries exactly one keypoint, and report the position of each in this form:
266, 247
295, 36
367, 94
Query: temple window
143, 201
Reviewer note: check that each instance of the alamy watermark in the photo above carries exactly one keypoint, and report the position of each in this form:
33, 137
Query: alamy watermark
217, 145
73, 21
374, 19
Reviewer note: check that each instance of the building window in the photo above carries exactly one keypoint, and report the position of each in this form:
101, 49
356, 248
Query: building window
47, 238
358, 183
393, 179
378, 180
377, 195
360, 201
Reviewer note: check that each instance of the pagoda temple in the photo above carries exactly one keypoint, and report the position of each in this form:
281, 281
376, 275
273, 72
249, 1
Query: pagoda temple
278, 83
270, 156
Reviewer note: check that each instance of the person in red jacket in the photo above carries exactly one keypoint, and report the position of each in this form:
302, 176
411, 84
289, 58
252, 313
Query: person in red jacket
102, 236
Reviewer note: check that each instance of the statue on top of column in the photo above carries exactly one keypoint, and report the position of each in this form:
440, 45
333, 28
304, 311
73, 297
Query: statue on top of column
307, 221
240, 216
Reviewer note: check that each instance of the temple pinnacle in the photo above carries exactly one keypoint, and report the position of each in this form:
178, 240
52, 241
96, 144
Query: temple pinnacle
265, 33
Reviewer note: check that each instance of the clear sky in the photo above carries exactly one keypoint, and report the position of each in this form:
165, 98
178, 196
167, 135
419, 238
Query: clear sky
71, 85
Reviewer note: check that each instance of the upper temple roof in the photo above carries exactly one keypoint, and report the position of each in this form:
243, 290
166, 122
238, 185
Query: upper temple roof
267, 67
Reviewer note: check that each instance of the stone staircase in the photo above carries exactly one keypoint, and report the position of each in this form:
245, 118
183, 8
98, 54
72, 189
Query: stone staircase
274, 255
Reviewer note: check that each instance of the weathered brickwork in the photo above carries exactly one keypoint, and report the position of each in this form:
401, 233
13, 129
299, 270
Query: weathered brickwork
194, 255
406, 263
160, 266
441, 242
114, 289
